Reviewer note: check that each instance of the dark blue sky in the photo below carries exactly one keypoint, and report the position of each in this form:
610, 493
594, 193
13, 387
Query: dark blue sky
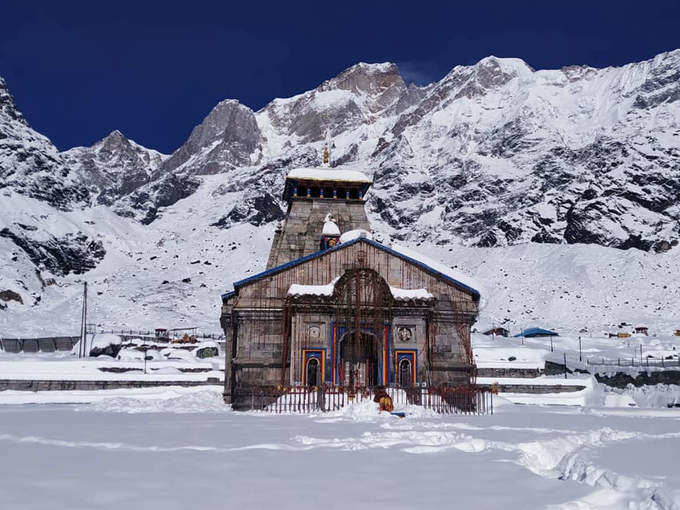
78, 70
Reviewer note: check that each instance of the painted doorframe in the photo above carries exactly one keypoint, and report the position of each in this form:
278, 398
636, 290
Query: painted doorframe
319, 354
408, 354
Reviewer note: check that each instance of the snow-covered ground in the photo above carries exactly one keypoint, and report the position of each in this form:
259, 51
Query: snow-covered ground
511, 352
181, 448
165, 362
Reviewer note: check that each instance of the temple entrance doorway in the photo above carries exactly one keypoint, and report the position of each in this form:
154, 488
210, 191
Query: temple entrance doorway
405, 373
358, 360
312, 378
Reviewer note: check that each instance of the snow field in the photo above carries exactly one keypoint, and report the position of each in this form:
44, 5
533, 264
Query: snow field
130, 451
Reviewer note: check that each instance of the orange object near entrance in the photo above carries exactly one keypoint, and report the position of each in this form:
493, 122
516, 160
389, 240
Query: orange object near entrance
385, 404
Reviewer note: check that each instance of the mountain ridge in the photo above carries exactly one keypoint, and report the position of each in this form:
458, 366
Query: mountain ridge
496, 124
493, 155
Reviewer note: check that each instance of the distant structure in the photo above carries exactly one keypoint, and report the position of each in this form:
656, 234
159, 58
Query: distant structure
497, 331
641, 330
536, 332
336, 307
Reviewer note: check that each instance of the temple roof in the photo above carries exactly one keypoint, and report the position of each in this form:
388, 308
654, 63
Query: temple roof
431, 266
329, 174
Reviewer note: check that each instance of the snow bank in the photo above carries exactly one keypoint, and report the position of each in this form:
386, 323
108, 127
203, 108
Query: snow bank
178, 354
171, 400
103, 340
130, 355
659, 395
154, 399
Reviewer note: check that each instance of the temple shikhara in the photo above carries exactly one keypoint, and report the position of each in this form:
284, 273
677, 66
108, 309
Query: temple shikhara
335, 307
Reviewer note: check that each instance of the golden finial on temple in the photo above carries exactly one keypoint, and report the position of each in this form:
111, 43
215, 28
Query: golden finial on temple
326, 150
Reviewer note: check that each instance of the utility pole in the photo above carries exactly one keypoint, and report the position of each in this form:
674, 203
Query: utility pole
580, 357
82, 351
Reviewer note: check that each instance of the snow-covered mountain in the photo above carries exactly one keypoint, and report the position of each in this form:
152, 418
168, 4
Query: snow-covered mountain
492, 155
114, 166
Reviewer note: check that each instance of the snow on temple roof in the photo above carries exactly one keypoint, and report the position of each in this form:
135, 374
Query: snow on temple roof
351, 235
313, 290
407, 294
297, 289
329, 174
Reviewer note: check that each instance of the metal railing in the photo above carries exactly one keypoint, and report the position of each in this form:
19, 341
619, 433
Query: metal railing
144, 333
633, 362
66, 343
308, 399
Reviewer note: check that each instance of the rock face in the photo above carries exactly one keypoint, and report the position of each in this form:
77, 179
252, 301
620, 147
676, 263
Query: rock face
71, 253
10, 295
256, 210
145, 202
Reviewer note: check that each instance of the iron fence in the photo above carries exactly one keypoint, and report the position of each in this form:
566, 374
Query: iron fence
145, 333
308, 399
42, 344
633, 362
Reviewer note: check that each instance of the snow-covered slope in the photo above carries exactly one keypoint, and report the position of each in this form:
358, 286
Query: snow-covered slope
493, 169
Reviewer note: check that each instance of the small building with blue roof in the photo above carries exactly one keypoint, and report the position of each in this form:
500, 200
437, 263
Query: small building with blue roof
536, 332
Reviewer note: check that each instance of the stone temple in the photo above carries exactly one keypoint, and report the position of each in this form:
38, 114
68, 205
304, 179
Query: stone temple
335, 307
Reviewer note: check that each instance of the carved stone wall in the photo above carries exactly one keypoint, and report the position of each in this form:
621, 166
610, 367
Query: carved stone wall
301, 231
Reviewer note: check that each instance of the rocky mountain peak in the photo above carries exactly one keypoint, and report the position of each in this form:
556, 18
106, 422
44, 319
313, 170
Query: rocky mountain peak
114, 136
114, 166
113, 142
365, 78
227, 116
8, 107
379, 85
228, 136
357, 96
488, 74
